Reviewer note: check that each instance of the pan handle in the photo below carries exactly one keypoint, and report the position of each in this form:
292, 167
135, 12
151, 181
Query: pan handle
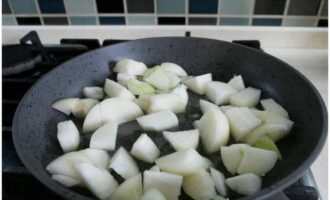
34, 38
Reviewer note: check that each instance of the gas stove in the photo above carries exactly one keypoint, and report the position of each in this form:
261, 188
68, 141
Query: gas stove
18, 182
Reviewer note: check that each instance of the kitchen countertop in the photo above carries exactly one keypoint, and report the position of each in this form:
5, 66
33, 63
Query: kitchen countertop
306, 49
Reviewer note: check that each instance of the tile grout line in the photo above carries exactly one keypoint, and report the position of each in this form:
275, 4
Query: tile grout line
125, 11
12, 12
218, 15
96, 15
155, 13
286, 10
39, 12
319, 12
186, 12
169, 15
252, 13
66, 12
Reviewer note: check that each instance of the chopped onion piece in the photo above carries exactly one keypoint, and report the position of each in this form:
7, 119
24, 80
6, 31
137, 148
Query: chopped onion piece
98, 180
139, 87
111, 110
214, 130
161, 79
83, 106
275, 118
261, 114
242, 121
143, 101
182, 162
65, 105
97, 157
218, 198
130, 189
145, 149
263, 130
271, 105
248, 97
123, 79
197, 84
67, 181
237, 83
181, 90
173, 68
266, 143
68, 136
257, 161
183, 79
231, 156
93, 119
224, 109
105, 137
153, 194
63, 165
168, 184
150, 71
246, 184
182, 140
124, 164
114, 89
219, 181
93, 92
199, 185
168, 101
205, 105
155, 168
219, 92
158, 121
130, 67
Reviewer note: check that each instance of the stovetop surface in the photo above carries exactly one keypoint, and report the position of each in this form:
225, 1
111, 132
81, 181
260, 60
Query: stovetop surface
18, 183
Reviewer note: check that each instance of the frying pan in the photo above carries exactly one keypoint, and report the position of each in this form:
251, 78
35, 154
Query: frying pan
34, 126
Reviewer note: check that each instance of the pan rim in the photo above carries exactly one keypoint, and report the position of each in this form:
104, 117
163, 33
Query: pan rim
265, 193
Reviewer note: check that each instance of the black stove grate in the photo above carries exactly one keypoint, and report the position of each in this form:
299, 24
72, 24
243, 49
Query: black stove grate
18, 183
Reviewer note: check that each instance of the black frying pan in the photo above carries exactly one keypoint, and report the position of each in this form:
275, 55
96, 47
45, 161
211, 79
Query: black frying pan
34, 128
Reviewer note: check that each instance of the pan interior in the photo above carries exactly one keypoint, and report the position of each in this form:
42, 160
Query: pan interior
35, 121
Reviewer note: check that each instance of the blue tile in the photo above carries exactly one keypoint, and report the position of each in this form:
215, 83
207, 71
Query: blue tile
24, 7
28, 20
55, 21
140, 20
8, 20
322, 23
51, 6
202, 21
203, 6
113, 6
112, 20
269, 7
299, 22
266, 22
171, 21
80, 6
171, 6
234, 21
239, 7
140, 6
304, 7
83, 20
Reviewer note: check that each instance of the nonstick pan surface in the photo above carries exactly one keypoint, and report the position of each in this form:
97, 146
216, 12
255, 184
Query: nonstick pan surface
34, 127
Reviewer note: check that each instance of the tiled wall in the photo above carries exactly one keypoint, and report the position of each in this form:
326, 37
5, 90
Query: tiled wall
307, 13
